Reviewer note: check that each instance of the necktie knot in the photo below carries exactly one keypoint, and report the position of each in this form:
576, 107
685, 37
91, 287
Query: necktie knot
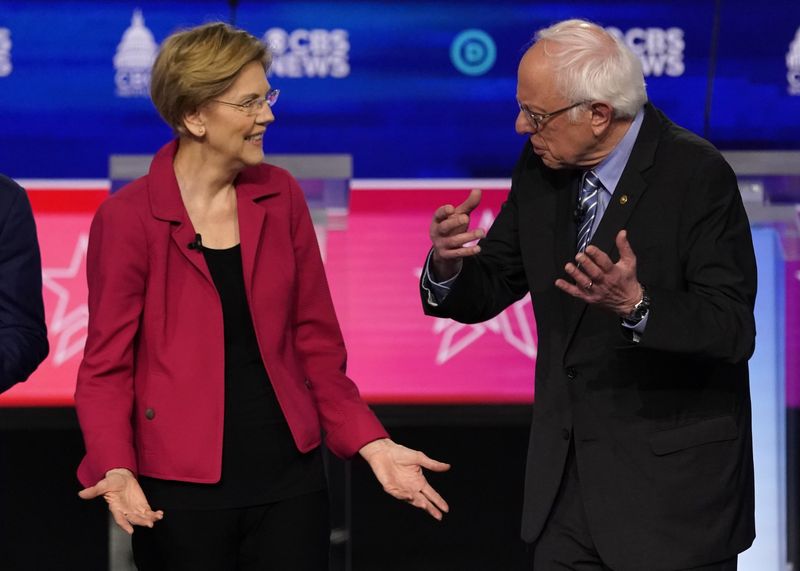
587, 205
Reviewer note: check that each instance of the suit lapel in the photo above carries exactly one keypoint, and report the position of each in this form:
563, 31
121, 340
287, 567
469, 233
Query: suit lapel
630, 188
567, 238
632, 185
566, 226
544, 202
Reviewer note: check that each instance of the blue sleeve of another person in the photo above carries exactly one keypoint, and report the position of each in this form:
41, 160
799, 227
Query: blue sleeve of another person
23, 333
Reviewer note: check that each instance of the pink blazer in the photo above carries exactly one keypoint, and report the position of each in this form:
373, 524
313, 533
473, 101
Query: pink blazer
150, 387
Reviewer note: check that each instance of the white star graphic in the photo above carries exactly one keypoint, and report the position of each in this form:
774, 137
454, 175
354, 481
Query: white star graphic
68, 326
459, 336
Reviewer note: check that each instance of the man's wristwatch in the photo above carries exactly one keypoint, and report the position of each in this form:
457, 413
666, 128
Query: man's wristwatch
639, 310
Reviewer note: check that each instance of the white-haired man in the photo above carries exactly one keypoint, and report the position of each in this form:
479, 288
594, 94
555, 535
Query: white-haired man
630, 235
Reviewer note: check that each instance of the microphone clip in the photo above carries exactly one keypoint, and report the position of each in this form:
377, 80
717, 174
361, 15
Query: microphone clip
196, 244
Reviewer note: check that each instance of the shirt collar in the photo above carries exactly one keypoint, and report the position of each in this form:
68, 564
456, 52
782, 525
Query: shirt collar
609, 171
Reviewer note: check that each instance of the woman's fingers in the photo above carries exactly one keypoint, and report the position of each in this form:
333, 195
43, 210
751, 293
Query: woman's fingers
122, 521
126, 501
419, 500
435, 498
147, 518
430, 464
91, 492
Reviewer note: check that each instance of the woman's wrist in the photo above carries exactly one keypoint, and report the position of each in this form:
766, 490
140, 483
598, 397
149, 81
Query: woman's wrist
121, 472
369, 449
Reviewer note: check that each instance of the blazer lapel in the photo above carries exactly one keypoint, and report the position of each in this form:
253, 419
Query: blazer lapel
183, 234
166, 204
251, 223
250, 190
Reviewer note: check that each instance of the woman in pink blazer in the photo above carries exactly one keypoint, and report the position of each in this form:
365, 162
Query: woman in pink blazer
214, 361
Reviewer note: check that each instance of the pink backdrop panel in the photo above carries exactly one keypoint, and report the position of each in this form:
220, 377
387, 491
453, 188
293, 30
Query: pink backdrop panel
396, 353
62, 238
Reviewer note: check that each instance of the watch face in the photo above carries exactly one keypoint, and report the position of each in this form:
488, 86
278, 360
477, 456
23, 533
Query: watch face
639, 310
642, 308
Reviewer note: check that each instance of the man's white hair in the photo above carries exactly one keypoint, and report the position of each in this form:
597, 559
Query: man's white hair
590, 64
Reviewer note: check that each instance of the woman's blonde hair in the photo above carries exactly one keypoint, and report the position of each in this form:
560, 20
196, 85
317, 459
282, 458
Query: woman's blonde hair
196, 65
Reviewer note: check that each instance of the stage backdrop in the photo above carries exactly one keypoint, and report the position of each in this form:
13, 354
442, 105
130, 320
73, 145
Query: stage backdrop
410, 89
373, 262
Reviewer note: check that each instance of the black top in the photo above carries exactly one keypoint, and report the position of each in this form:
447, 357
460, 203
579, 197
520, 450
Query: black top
260, 462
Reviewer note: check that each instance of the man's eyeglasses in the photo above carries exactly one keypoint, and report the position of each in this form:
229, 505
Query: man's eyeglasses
538, 119
254, 106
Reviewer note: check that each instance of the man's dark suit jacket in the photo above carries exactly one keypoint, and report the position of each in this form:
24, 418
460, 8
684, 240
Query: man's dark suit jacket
661, 428
23, 335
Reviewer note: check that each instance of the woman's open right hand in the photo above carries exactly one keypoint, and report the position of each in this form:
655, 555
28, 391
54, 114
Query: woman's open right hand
125, 499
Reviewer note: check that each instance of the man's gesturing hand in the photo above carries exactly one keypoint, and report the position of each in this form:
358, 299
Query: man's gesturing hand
449, 232
600, 281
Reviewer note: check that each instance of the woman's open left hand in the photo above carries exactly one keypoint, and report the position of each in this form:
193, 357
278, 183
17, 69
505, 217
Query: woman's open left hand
125, 498
399, 470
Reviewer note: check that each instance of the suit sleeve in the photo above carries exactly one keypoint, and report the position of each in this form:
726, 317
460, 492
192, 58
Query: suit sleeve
23, 334
346, 419
713, 316
116, 272
492, 280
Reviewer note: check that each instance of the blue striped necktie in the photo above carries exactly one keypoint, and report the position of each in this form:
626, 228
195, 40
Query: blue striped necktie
588, 207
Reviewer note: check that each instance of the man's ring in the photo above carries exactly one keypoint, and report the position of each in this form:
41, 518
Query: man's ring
589, 285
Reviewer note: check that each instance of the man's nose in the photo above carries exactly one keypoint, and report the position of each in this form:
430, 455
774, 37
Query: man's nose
522, 125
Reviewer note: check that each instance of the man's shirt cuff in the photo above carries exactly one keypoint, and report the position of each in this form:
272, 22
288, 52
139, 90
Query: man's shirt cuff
436, 291
637, 330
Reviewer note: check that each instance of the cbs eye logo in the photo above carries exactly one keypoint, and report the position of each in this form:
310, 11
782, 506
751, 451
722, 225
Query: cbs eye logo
473, 52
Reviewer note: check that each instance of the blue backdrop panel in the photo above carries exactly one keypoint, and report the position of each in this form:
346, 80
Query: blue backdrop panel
61, 112
431, 85
410, 89
756, 102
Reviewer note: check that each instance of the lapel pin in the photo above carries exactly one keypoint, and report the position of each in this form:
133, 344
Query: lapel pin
623, 199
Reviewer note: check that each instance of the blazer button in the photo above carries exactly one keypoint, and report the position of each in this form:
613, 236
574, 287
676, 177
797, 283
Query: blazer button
149, 414
571, 373
565, 433
307, 383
